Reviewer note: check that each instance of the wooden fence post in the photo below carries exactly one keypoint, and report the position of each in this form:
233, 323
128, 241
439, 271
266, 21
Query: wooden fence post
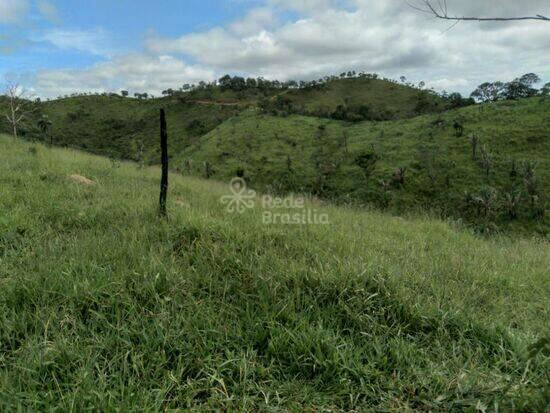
164, 160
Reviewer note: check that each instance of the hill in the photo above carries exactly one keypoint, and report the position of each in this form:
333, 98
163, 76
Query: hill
407, 164
356, 99
128, 128
106, 307
401, 165
125, 128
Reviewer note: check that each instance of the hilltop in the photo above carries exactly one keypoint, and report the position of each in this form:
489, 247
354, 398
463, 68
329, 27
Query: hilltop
356, 99
105, 306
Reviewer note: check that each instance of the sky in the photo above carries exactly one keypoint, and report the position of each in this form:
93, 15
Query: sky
59, 47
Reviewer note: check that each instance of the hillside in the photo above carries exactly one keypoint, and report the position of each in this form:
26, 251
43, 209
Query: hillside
359, 163
409, 164
125, 128
375, 99
105, 307
120, 127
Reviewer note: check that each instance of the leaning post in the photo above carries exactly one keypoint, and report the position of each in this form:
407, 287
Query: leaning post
164, 161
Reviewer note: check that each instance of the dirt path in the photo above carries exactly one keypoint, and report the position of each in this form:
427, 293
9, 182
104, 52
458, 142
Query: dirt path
215, 102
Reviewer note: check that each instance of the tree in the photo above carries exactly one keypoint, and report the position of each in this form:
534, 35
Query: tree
511, 203
367, 162
124, 93
522, 87
225, 82
457, 101
459, 129
19, 106
441, 12
474, 142
489, 92
251, 83
486, 160
44, 125
238, 83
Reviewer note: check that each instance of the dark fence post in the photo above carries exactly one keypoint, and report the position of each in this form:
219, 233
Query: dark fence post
164, 160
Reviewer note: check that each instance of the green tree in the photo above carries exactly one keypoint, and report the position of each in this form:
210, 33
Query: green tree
44, 124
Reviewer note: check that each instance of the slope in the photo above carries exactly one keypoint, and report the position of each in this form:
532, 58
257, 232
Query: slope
361, 163
374, 99
123, 128
106, 307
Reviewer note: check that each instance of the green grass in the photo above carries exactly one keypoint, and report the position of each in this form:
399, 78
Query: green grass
118, 127
399, 101
440, 167
106, 307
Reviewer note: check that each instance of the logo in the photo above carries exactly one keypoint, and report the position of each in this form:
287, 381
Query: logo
241, 197
290, 210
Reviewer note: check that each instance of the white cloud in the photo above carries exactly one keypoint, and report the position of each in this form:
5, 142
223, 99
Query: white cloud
11, 11
135, 72
389, 37
326, 37
95, 41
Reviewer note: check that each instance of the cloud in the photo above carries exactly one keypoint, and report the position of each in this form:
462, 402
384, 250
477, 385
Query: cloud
11, 11
389, 37
305, 39
134, 72
95, 41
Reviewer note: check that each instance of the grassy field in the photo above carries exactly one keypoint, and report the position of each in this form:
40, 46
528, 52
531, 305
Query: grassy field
121, 128
307, 154
106, 307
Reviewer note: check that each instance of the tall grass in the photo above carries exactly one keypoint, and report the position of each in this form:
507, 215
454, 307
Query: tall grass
104, 306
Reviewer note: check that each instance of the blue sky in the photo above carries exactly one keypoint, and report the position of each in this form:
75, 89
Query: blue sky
113, 26
56, 47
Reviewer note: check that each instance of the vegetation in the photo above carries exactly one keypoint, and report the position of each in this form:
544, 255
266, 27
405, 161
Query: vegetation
442, 172
123, 128
436, 152
356, 99
105, 306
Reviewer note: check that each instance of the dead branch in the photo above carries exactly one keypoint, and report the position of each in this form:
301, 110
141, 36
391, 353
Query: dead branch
441, 12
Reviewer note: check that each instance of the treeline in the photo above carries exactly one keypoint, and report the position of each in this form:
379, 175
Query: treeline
521, 87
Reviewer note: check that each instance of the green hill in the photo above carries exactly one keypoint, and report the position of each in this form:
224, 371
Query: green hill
122, 128
407, 164
105, 307
125, 128
359, 162
374, 99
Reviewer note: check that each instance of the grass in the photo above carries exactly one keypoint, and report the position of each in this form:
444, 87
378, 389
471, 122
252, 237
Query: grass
121, 128
106, 307
283, 154
308, 154
399, 101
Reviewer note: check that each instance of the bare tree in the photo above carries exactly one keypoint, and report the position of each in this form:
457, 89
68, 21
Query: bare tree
19, 106
439, 9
